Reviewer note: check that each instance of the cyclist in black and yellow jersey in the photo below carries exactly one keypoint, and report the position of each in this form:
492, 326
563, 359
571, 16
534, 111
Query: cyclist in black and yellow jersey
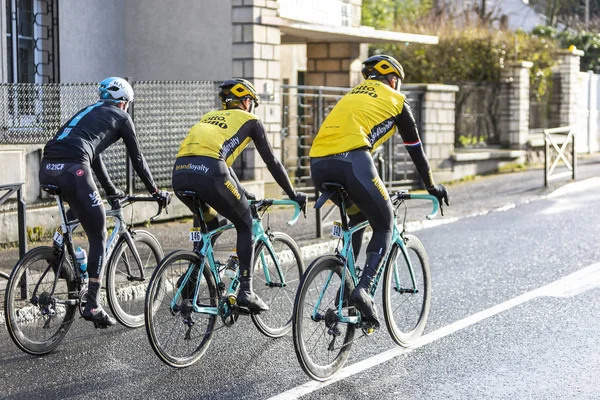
203, 166
360, 122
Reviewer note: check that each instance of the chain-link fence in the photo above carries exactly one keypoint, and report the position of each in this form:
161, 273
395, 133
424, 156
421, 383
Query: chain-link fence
163, 113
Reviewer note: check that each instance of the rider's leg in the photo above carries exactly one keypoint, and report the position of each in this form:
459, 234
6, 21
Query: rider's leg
241, 217
356, 216
86, 205
370, 195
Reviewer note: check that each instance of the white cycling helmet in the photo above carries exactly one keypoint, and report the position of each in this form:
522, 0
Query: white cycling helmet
115, 89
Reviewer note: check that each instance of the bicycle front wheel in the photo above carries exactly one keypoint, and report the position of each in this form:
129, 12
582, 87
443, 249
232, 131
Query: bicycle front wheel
322, 343
407, 291
127, 278
276, 278
178, 335
39, 315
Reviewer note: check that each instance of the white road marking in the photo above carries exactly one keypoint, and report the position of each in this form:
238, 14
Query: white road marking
571, 285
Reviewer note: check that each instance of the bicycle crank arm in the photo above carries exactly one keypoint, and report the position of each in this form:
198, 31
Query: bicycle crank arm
72, 302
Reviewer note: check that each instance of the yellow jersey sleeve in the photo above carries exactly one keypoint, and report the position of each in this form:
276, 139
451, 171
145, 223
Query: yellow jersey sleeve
364, 117
221, 134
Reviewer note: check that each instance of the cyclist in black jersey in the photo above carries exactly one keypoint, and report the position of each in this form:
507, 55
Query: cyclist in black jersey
68, 161
202, 166
360, 122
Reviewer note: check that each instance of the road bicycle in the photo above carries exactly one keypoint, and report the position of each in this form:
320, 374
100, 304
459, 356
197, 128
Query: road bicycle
324, 324
46, 287
187, 293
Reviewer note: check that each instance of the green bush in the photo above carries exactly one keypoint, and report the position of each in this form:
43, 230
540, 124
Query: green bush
589, 42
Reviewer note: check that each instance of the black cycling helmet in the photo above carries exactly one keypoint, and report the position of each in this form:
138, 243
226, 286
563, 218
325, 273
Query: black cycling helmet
381, 65
232, 91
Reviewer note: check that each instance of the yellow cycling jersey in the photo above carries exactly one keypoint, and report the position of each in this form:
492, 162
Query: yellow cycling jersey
364, 117
221, 134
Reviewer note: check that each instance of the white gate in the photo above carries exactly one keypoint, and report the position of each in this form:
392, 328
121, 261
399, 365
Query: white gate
588, 115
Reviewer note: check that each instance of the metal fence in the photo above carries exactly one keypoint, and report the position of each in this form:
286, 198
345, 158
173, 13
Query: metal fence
478, 109
163, 113
304, 110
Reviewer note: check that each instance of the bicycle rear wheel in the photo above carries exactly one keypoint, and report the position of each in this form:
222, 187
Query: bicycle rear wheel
37, 317
127, 280
284, 262
322, 343
406, 304
178, 335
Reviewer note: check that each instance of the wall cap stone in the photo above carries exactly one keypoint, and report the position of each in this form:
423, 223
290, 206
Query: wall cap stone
431, 87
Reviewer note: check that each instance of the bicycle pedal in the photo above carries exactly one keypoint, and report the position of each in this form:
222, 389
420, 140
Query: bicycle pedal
100, 326
243, 310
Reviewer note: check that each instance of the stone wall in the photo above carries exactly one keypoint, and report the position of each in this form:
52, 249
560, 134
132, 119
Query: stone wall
256, 57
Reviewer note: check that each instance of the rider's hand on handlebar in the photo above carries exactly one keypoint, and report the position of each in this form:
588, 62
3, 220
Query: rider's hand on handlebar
301, 198
113, 197
163, 196
442, 195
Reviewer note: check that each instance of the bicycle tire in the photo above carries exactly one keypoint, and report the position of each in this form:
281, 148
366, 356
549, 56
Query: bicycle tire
126, 292
406, 313
170, 338
305, 329
39, 329
287, 260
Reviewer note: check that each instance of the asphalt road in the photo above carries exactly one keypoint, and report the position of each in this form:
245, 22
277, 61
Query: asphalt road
508, 320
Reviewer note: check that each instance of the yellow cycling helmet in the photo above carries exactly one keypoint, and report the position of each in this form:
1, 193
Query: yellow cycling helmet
381, 65
232, 91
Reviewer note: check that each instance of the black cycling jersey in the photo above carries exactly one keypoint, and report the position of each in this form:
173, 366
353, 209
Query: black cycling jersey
89, 132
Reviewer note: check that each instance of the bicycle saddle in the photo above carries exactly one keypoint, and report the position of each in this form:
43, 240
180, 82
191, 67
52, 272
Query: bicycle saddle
51, 189
186, 193
328, 189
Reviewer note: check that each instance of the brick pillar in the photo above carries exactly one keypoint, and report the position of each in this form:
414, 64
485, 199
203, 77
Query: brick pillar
514, 125
335, 64
568, 75
256, 57
438, 126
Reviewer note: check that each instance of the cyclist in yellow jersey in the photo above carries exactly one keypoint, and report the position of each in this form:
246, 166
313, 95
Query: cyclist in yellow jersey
361, 121
202, 166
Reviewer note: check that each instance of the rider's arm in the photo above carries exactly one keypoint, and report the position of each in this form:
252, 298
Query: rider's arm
407, 126
273, 164
102, 174
233, 175
137, 158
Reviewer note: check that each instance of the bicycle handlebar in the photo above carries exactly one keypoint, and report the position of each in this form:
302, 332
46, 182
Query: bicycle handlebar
117, 202
400, 195
266, 203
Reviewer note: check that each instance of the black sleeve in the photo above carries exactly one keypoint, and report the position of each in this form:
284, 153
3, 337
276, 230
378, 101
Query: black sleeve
137, 158
407, 126
236, 180
275, 167
102, 174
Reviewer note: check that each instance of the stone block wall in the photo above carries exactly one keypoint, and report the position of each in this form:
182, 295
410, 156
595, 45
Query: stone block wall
256, 57
335, 64
514, 124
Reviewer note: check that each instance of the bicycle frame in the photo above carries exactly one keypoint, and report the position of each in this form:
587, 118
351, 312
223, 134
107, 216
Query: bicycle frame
206, 252
347, 257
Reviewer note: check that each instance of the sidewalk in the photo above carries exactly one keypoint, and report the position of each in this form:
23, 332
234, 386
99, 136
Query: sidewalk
472, 197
